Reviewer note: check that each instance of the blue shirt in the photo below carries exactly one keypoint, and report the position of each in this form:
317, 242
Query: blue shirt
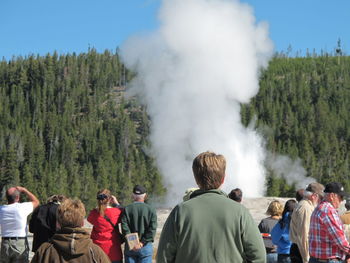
280, 236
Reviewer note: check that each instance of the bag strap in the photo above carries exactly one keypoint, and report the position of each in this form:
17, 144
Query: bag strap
109, 220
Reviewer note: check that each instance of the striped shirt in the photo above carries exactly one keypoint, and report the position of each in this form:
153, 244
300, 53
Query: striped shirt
326, 236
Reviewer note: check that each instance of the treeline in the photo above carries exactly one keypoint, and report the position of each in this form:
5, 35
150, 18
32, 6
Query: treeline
303, 110
65, 127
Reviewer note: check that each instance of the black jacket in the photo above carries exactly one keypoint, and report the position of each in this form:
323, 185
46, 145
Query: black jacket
43, 224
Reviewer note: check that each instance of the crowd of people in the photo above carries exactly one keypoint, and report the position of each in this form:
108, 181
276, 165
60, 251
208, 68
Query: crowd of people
208, 226
59, 235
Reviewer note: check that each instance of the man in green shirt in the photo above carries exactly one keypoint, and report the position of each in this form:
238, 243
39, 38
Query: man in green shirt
209, 227
140, 218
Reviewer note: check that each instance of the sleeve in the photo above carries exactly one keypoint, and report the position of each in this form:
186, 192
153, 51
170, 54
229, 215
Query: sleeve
151, 229
276, 234
168, 239
125, 223
253, 244
27, 208
336, 232
303, 240
42, 254
261, 227
102, 257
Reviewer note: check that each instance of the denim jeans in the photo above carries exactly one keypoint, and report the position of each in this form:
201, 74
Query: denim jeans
144, 255
314, 260
283, 258
271, 258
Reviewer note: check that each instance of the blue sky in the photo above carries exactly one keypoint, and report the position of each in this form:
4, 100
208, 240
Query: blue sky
43, 26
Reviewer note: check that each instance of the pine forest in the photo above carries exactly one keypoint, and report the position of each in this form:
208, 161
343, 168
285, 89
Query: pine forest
66, 126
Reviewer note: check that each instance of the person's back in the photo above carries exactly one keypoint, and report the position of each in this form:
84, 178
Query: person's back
140, 218
43, 221
105, 219
72, 243
13, 222
210, 227
214, 229
138, 213
13, 219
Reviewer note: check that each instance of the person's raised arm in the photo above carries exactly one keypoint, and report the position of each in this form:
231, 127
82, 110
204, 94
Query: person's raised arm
32, 198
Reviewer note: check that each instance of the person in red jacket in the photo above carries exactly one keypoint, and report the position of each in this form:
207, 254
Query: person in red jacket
105, 219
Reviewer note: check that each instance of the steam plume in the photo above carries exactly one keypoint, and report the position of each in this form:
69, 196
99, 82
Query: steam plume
193, 73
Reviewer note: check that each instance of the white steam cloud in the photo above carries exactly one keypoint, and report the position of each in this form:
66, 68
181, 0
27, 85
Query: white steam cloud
291, 170
193, 73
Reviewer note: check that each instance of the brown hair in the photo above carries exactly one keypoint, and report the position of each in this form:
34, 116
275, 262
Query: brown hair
102, 204
209, 170
71, 213
275, 208
58, 199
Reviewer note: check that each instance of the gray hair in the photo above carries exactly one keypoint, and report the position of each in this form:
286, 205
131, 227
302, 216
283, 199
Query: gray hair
139, 197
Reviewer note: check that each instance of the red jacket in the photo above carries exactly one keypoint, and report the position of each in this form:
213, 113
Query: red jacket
103, 233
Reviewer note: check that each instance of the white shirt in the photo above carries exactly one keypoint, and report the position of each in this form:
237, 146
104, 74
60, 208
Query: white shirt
13, 219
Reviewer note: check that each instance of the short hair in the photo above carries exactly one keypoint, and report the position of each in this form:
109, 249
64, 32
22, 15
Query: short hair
209, 170
136, 197
299, 195
11, 196
71, 213
236, 195
275, 208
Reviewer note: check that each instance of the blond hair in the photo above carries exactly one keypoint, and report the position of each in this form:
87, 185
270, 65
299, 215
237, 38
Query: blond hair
275, 208
71, 213
209, 170
102, 204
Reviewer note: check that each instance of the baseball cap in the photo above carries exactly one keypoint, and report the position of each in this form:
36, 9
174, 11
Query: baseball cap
139, 190
316, 188
336, 188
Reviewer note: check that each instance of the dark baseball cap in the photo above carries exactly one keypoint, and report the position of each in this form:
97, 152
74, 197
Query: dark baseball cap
139, 190
336, 188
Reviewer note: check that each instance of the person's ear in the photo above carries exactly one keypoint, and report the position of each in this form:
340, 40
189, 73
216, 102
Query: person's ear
223, 179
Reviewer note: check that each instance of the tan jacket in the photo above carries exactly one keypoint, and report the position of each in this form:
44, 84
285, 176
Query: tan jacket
71, 245
299, 227
345, 218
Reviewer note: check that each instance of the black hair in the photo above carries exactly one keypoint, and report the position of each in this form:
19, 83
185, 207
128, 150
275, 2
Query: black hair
236, 195
288, 208
299, 195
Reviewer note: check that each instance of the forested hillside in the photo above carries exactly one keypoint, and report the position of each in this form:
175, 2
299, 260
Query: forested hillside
303, 109
65, 126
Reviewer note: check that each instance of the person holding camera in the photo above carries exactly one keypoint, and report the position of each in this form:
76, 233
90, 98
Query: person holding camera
105, 219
